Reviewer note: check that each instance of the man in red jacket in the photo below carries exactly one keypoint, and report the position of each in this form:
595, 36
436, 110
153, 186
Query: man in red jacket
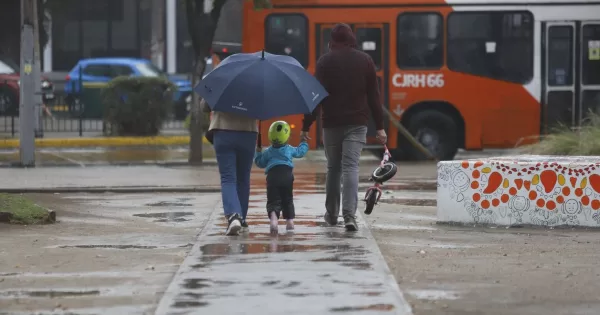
349, 77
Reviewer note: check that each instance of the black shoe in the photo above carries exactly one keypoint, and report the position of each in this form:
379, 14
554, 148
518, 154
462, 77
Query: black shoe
329, 220
350, 223
244, 225
234, 224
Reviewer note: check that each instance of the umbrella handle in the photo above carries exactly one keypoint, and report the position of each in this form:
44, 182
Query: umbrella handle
259, 140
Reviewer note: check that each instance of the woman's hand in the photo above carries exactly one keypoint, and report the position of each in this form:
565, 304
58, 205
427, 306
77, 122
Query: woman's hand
304, 136
381, 136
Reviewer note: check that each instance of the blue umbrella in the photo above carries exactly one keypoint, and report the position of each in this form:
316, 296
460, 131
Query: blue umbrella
261, 86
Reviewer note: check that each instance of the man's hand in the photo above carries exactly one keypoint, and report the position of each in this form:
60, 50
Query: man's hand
304, 136
382, 136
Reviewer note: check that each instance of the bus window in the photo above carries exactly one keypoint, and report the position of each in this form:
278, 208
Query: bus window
560, 56
368, 39
286, 34
420, 41
497, 45
325, 36
590, 68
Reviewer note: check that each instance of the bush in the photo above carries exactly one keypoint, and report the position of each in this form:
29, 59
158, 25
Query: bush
565, 141
137, 106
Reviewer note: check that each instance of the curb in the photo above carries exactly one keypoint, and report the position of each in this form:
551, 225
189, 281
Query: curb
207, 162
195, 250
102, 142
120, 190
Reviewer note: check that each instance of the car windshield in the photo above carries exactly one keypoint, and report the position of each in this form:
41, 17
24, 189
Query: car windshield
6, 69
149, 70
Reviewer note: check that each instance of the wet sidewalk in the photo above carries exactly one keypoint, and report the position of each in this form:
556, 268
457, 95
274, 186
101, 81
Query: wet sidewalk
310, 176
126, 178
314, 270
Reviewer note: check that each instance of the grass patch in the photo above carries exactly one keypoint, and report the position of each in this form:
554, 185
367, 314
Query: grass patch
22, 210
565, 141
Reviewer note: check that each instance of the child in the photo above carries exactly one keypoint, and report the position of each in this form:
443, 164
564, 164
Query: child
278, 165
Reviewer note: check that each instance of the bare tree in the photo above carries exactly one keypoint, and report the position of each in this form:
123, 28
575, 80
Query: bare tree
202, 19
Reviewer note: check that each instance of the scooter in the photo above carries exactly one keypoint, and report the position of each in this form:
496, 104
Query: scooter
380, 175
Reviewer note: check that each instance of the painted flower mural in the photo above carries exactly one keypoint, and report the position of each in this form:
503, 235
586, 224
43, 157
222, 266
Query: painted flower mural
522, 190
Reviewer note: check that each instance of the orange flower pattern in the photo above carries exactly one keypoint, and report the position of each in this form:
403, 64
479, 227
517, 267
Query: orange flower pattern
518, 190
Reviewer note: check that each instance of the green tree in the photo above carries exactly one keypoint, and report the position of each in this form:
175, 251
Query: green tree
202, 25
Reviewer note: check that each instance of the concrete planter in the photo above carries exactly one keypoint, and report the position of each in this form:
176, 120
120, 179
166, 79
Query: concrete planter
520, 190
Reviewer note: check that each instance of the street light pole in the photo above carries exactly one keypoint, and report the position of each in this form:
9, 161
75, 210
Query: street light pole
158, 23
27, 90
38, 131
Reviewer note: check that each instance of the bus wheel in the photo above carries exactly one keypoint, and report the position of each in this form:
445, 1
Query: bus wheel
436, 131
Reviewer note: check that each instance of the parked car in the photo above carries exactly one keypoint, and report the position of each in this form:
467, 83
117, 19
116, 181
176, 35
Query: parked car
103, 70
10, 88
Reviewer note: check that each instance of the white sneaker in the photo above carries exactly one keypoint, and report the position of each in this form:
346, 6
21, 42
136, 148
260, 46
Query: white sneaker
234, 226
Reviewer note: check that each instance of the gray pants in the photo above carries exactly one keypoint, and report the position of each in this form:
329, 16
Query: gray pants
343, 146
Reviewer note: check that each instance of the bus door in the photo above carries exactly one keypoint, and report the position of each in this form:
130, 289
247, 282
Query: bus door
571, 73
373, 39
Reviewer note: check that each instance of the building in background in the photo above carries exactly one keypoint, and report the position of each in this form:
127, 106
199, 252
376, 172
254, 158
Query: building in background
127, 28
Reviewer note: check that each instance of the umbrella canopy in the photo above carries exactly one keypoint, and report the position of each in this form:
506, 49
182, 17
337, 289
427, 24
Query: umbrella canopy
261, 86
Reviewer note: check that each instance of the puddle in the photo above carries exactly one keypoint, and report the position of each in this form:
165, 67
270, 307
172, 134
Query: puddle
409, 186
256, 248
304, 223
169, 220
343, 255
401, 227
107, 246
48, 294
9, 274
193, 284
369, 293
374, 307
410, 202
166, 216
192, 295
300, 295
291, 284
169, 204
434, 294
441, 246
186, 304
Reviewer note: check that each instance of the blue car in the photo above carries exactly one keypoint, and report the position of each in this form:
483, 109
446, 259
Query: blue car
102, 70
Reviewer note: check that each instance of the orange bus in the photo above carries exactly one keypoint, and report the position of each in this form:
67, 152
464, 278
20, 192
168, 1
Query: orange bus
470, 74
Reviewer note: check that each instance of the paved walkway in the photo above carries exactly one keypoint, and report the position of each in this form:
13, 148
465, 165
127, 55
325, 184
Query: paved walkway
129, 177
309, 175
315, 270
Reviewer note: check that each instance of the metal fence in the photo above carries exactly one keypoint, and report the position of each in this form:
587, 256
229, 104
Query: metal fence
56, 120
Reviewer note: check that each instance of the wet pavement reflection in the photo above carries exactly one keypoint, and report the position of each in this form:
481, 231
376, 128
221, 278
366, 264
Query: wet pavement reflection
316, 269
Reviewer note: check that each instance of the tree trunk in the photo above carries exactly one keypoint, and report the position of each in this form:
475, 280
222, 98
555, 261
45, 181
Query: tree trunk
196, 121
202, 19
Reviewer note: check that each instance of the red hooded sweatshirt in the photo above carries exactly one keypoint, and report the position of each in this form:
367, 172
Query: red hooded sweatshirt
349, 77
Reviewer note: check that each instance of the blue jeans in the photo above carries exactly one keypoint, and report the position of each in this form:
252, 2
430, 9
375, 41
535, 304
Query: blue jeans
235, 155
